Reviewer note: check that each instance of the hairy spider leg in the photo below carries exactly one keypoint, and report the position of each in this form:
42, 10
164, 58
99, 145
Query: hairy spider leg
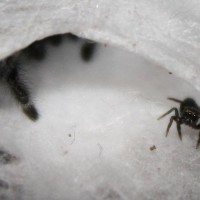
168, 112
87, 50
21, 93
198, 142
173, 118
173, 99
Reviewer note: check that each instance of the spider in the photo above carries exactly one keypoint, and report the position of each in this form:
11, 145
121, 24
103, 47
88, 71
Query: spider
10, 68
188, 114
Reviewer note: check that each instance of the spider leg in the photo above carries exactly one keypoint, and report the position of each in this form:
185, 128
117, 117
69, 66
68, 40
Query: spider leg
197, 126
174, 118
21, 93
168, 112
198, 142
169, 125
87, 50
179, 129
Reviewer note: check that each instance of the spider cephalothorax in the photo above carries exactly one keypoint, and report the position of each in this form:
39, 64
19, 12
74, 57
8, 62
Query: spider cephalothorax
188, 114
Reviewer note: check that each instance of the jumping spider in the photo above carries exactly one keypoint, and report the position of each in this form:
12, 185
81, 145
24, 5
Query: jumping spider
188, 114
10, 68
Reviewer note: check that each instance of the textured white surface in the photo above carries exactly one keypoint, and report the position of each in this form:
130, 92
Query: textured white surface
98, 120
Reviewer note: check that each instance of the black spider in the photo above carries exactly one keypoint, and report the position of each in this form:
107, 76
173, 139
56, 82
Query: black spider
10, 68
188, 114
